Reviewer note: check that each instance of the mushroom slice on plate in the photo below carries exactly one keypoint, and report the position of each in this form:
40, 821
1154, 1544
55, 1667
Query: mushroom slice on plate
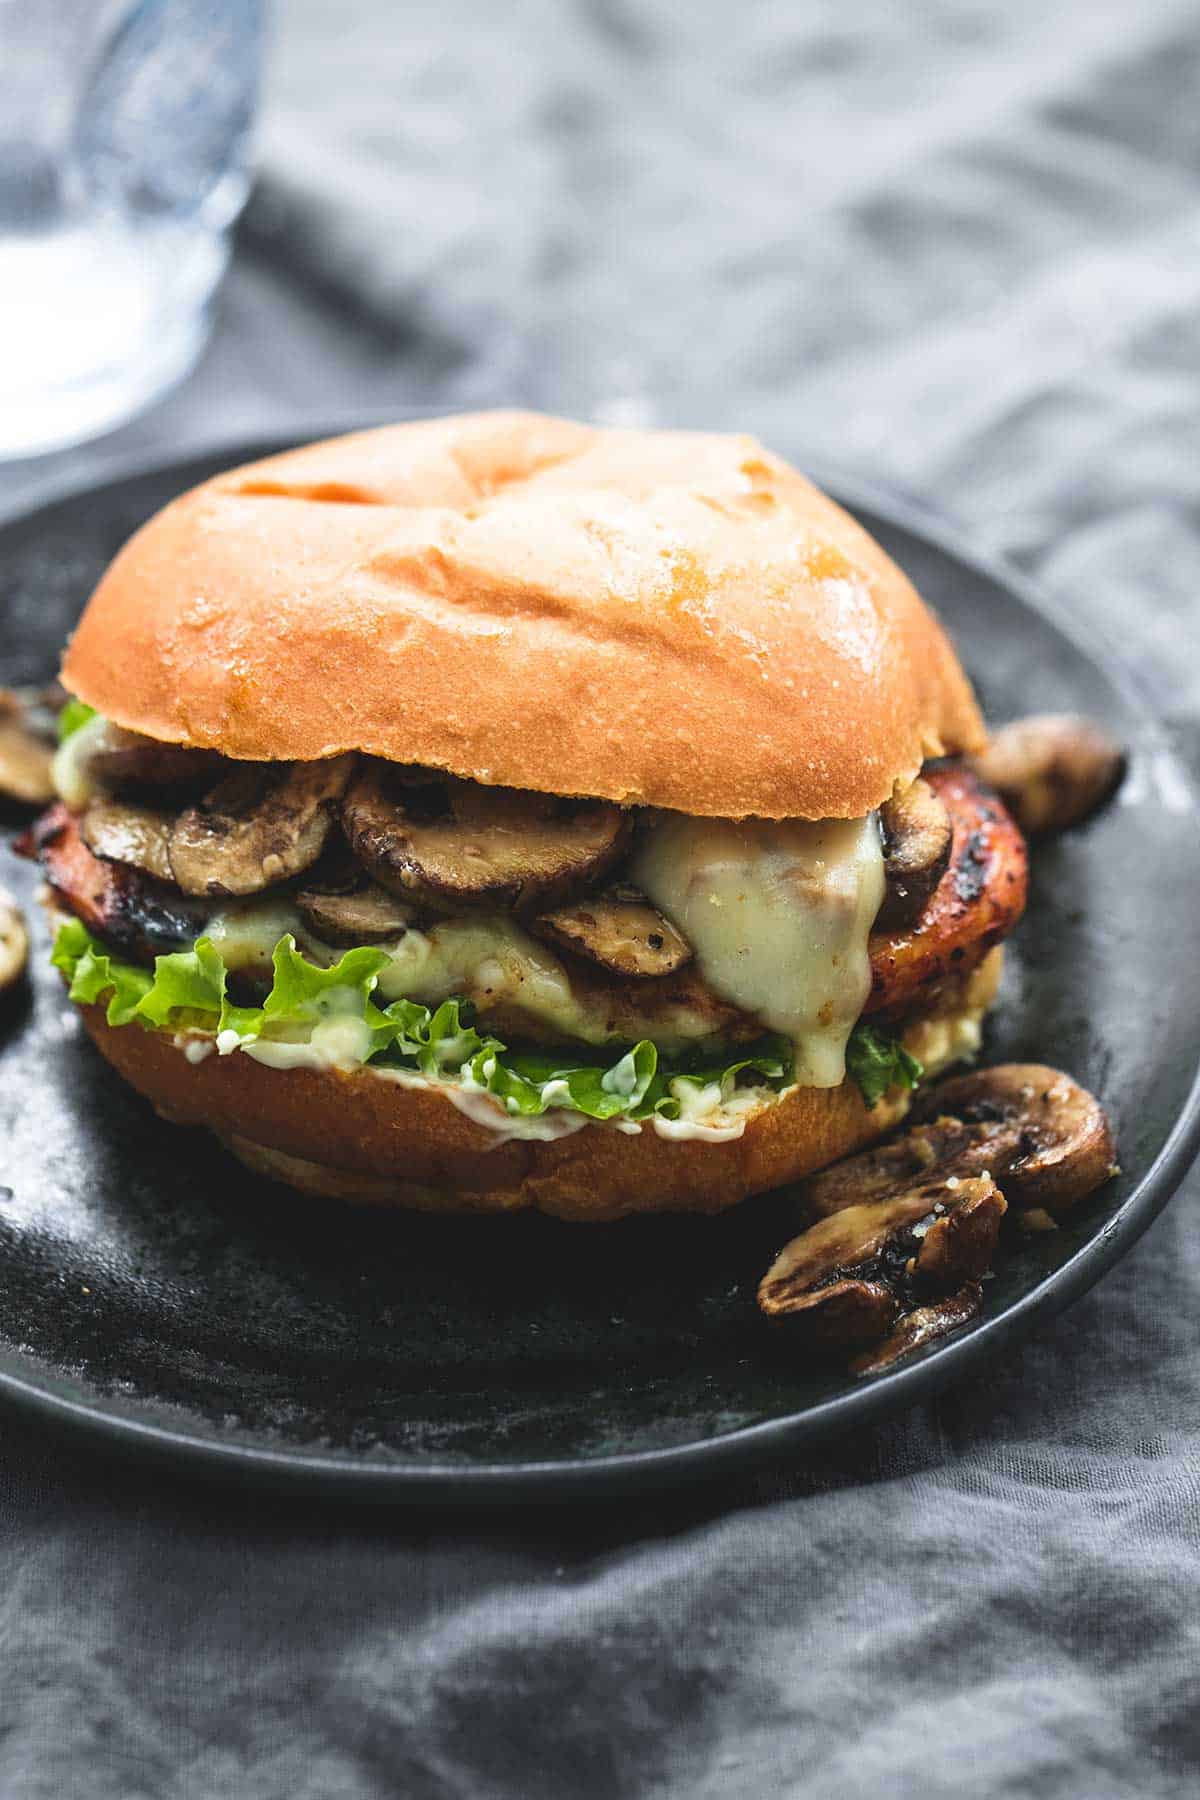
263, 824
14, 942
924, 1241
119, 831
1049, 1141
367, 914
619, 930
1044, 1138
960, 1242
1052, 769
843, 1313
930, 1151
457, 845
917, 840
921, 1326
26, 751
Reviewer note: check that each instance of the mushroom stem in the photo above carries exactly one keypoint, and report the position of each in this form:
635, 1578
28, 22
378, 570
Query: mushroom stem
921, 1326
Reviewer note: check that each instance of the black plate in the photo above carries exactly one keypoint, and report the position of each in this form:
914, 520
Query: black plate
152, 1290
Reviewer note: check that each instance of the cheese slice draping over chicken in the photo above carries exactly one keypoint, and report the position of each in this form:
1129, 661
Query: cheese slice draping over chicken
779, 914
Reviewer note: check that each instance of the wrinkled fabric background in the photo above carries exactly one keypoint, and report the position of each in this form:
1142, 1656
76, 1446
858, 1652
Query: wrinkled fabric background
954, 247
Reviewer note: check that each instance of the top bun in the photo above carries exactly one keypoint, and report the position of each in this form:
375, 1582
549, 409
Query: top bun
658, 618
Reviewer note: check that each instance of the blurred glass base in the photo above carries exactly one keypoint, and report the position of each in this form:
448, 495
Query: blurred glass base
124, 141
98, 322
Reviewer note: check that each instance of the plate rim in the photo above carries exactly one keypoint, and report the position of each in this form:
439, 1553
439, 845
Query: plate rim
746, 1447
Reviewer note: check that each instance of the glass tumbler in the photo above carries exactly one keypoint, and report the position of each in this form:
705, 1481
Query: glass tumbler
124, 138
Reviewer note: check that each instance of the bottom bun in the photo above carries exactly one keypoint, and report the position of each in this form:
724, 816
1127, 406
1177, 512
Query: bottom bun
360, 1137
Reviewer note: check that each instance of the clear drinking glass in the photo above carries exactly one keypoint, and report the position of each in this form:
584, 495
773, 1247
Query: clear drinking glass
124, 135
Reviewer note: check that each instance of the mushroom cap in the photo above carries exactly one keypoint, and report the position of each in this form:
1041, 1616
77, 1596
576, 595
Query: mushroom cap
363, 914
122, 831
460, 853
1045, 1139
649, 617
257, 827
624, 934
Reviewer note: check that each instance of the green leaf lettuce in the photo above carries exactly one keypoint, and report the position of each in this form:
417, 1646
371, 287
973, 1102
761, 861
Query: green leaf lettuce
188, 990
72, 716
879, 1062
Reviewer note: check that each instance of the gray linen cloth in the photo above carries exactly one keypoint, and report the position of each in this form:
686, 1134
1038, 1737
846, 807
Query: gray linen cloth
953, 246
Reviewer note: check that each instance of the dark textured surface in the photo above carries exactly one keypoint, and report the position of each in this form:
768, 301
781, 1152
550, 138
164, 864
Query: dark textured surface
145, 1275
953, 247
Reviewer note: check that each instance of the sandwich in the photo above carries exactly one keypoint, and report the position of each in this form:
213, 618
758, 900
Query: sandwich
496, 812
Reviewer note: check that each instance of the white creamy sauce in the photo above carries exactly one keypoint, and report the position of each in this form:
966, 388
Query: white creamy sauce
778, 914
280, 1055
945, 1039
696, 1102
621, 1079
688, 1128
707, 1115
335, 1043
484, 1109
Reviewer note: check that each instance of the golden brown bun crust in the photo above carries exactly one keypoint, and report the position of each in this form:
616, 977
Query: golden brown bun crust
656, 618
363, 1138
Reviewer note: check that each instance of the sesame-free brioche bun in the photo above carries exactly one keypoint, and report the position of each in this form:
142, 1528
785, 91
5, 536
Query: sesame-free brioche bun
357, 1136
656, 618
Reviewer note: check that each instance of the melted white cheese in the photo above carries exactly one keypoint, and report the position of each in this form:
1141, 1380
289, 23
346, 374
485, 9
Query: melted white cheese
247, 931
69, 771
488, 959
778, 914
